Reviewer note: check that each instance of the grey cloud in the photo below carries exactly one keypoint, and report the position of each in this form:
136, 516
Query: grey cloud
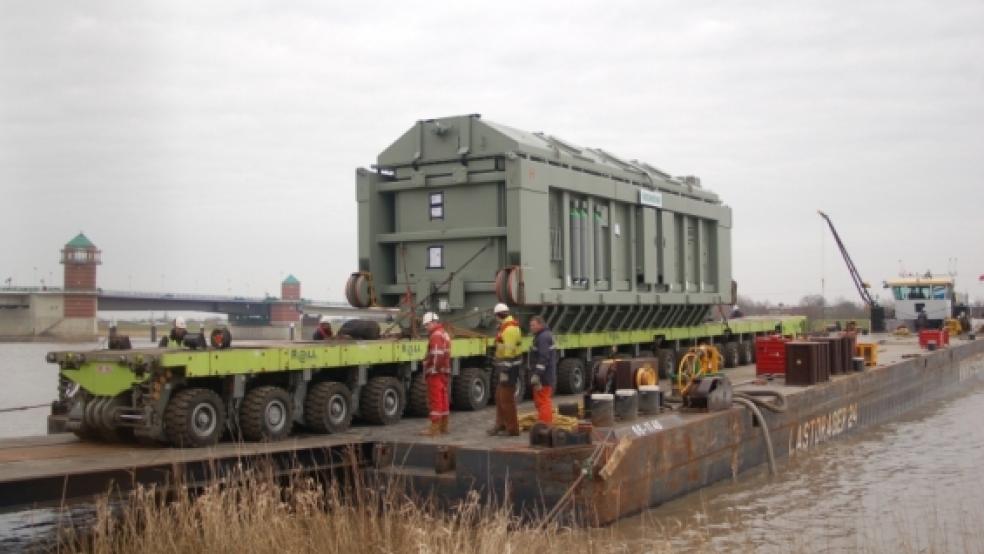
215, 144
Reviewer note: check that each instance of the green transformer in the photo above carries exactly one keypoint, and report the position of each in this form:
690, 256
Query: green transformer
461, 213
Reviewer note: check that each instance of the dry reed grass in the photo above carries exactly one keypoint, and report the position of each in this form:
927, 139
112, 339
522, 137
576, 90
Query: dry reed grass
256, 513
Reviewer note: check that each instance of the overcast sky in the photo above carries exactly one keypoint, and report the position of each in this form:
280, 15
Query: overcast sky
213, 149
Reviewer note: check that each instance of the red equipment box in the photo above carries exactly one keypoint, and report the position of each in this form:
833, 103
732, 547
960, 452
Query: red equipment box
940, 336
770, 355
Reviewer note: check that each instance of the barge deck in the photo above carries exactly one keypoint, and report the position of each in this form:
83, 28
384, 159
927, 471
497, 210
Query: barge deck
638, 464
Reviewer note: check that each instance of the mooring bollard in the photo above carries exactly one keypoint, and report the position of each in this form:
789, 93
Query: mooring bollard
602, 410
626, 404
650, 399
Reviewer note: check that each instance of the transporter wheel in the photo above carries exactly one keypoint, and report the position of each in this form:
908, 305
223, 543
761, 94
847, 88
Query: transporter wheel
86, 434
194, 417
570, 376
328, 407
520, 386
745, 352
667, 362
383, 401
470, 389
77, 418
730, 353
417, 401
104, 422
266, 414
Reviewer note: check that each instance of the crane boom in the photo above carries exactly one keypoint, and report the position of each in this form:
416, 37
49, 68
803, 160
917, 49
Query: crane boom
877, 312
851, 268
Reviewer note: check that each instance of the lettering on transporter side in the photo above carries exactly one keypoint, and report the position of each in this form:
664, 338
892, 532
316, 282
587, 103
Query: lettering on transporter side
302, 355
824, 427
414, 349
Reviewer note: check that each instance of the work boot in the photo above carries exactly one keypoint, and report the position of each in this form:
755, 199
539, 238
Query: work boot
495, 430
432, 431
444, 425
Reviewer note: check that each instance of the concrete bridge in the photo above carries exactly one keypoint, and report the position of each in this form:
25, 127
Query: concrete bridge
71, 311
40, 312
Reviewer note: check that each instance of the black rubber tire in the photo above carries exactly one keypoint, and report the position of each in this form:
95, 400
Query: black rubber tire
523, 386
220, 338
383, 401
470, 390
745, 352
729, 353
108, 430
361, 329
667, 362
520, 386
84, 428
266, 414
417, 405
328, 407
525, 389
185, 407
493, 384
571, 376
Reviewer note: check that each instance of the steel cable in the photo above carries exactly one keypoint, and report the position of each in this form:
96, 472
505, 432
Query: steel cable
22, 408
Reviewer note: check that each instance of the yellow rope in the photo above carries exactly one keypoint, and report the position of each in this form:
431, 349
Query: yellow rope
527, 420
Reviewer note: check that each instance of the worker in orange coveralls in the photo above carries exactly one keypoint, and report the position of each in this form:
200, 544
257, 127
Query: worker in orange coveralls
543, 365
437, 372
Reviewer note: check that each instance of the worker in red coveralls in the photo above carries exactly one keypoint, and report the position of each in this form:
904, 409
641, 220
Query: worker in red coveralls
543, 363
437, 372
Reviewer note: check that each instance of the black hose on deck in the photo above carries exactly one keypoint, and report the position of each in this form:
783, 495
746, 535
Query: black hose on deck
777, 405
753, 407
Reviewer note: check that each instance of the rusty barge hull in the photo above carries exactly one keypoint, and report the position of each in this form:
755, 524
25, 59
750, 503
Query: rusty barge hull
640, 464
651, 461
685, 456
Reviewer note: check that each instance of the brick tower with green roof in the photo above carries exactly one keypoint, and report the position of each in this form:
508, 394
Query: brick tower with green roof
287, 309
80, 258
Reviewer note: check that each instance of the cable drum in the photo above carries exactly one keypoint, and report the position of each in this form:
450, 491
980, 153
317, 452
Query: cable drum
357, 290
501, 281
514, 287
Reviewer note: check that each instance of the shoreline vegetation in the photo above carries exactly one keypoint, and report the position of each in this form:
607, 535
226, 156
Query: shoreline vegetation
255, 512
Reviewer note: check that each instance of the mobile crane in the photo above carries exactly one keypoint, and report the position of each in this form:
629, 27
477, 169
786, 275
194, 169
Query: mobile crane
876, 311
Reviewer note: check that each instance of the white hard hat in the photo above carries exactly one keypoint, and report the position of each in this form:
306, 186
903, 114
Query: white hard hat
179, 323
429, 317
324, 319
500, 308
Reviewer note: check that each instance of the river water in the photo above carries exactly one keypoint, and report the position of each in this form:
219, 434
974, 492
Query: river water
911, 485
